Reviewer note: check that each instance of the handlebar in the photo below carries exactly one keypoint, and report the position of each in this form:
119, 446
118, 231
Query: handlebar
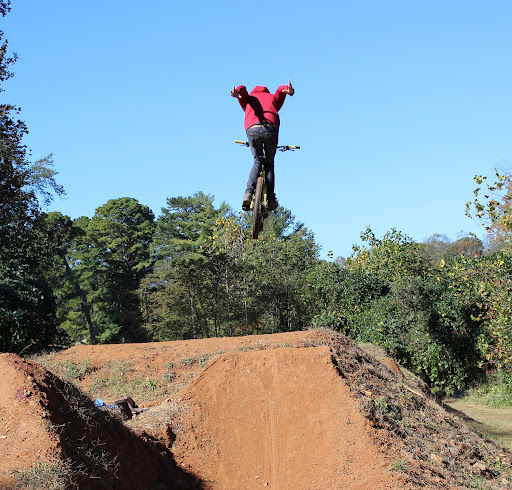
280, 148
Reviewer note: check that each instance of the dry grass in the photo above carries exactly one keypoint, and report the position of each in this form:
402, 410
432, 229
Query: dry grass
55, 475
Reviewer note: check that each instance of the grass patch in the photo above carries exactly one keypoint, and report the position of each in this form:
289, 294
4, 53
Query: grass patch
201, 359
120, 380
400, 466
494, 393
152, 384
169, 376
54, 476
189, 361
72, 370
66, 370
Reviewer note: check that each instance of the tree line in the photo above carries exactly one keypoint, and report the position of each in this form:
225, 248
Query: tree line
124, 276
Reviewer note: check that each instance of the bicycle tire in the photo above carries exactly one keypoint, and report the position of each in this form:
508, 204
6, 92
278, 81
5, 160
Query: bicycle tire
257, 212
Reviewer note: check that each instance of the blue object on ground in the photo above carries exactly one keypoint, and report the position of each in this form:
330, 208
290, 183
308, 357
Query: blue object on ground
100, 403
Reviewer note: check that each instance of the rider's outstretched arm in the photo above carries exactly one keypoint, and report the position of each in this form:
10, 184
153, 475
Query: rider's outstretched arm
281, 93
241, 94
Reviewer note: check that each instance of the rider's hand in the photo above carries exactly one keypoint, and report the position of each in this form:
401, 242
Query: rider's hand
290, 90
235, 93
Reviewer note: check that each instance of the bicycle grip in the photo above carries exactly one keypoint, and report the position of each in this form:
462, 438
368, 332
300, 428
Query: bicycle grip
242, 142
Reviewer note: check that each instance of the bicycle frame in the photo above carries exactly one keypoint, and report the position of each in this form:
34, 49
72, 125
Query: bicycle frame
264, 200
259, 203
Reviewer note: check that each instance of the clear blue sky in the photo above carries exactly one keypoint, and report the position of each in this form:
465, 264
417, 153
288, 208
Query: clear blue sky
398, 104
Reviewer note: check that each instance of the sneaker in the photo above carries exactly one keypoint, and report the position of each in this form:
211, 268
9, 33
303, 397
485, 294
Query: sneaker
272, 205
246, 204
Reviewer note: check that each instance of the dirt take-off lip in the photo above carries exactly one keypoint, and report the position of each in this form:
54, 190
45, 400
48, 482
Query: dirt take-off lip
281, 418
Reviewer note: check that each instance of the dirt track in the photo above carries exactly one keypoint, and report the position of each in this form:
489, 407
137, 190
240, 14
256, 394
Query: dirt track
302, 410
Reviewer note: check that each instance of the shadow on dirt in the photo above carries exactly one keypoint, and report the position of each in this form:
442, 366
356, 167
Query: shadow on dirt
99, 449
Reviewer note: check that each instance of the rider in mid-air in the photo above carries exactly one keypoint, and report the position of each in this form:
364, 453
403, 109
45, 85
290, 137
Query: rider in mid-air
262, 126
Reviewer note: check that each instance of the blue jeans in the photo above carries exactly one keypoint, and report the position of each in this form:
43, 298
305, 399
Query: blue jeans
263, 140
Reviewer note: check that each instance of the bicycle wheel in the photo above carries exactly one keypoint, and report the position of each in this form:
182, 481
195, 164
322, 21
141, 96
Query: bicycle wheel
257, 214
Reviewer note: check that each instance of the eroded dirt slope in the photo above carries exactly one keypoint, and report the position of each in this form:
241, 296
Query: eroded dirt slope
23, 421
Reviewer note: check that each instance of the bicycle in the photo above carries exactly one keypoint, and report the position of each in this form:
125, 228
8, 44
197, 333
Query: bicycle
259, 203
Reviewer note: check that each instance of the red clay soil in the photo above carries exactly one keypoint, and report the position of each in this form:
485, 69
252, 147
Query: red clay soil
247, 412
24, 434
51, 436
280, 418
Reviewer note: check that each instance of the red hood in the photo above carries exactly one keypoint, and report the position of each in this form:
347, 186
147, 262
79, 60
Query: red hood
259, 90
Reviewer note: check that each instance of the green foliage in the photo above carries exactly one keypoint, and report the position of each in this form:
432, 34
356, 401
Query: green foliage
178, 298
495, 211
19, 209
438, 249
434, 249
341, 294
392, 257
59, 263
420, 325
95, 267
388, 296
487, 282
468, 246
495, 392
122, 231
185, 225
27, 315
211, 278
276, 269
109, 256
41, 179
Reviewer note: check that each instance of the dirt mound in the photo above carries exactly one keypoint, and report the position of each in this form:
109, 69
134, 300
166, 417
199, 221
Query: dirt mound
297, 410
281, 418
23, 420
53, 437
431, 447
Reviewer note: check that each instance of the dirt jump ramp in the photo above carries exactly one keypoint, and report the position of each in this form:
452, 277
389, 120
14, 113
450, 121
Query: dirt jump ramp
281, 419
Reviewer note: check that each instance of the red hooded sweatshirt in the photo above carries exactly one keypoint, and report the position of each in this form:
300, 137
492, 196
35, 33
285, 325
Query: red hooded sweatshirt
260, 105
